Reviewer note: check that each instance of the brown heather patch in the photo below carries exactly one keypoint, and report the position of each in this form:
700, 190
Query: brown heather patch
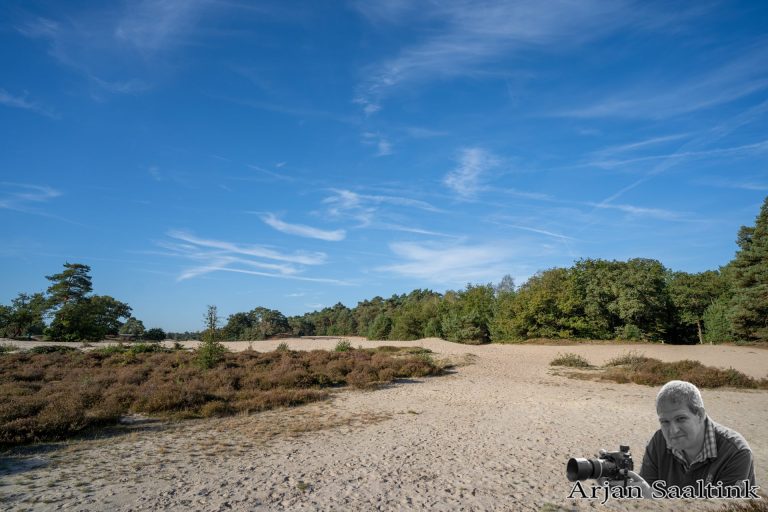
58, 394
636, 368
760, 505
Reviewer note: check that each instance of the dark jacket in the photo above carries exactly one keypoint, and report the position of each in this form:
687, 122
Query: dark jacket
732, 465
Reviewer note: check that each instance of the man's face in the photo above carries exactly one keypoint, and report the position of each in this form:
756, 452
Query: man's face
682, 429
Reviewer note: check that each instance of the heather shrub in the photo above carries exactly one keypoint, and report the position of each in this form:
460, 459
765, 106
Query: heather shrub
571, 360
55, 395
653, 372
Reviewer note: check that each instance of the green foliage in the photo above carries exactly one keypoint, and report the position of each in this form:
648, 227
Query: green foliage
693, 294
749, 314
258, 324
133, 327
154, 334
717, 324
210, 352
24, 317
283, 347
570, 359
343, 346
71, 285
90, 318
465, 315
380, 328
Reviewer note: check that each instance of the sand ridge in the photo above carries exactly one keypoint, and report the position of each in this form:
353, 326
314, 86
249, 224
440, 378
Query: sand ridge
492, 435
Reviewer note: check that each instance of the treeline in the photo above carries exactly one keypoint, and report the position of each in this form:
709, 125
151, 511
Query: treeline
69, 311
638, 299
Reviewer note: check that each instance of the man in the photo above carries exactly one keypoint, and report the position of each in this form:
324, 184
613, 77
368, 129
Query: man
689, 446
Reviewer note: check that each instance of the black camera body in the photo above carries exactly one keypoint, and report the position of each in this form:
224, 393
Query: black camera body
610, 465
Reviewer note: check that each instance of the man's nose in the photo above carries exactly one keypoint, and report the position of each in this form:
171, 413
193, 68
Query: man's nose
674, 428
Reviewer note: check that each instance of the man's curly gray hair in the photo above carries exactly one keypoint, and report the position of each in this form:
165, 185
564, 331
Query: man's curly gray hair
681, 392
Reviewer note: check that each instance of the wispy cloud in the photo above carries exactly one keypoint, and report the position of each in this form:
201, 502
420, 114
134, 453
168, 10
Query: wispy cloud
466, 179
152, 25
383, 146
758, 184
23, 102
639, 145
212, 255
302, 230
740, 76
449, 264
20, 196
638, 211
363, 207
466, 35
682, 155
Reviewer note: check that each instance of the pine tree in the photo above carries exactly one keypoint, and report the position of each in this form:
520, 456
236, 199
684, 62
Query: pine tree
749, 314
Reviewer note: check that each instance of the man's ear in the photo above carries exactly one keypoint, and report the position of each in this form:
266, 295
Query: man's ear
701, 413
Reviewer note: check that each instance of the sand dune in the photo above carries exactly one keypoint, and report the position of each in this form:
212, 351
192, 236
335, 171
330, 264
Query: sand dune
493, 435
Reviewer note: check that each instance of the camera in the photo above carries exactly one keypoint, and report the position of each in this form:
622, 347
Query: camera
610, 465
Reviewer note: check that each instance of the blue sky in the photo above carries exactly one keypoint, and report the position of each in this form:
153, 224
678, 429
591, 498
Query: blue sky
296, 154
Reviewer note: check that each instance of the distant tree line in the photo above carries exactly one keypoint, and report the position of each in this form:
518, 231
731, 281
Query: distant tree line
68, 311
638, 299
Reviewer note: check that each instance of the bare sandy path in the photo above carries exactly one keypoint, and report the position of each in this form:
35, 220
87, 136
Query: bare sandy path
493, 435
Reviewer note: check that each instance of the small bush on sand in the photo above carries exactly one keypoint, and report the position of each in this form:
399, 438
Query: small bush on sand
570, 359
7, 347
56, 395
283, 347
631, 358
343, 346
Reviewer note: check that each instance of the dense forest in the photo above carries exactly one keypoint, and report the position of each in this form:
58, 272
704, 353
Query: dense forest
638, 299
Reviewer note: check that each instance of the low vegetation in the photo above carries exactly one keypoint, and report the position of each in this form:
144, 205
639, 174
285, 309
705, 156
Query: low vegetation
760, 505
570, 359
46, 396
636, 368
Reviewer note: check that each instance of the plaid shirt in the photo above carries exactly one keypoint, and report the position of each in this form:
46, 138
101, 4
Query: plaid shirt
708, 452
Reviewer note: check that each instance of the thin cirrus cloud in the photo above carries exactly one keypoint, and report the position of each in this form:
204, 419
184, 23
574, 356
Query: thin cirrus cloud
466, 179
9, 100
474, 34
302, 230
741, 76
449, 264
364, 208
20, 196
210, 255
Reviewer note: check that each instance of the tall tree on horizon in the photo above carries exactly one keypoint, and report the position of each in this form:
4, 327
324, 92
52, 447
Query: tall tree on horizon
749, 314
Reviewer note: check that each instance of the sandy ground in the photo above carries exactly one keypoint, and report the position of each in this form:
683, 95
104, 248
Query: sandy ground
493, 435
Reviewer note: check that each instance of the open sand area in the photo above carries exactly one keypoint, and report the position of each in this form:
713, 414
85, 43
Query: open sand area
493, 434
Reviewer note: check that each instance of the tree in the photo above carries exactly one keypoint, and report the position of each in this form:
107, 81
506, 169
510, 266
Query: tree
25, 315
71, 285
749, 314
693, 294
89, 318
210, 352
154, 334
133, 327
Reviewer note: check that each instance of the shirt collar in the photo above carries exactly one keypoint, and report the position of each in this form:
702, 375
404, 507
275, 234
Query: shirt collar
709, 451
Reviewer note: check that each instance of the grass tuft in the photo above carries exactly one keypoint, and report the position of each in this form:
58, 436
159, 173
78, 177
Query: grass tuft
570, 359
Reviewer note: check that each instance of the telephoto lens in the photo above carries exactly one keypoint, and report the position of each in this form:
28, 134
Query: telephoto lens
586, 469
